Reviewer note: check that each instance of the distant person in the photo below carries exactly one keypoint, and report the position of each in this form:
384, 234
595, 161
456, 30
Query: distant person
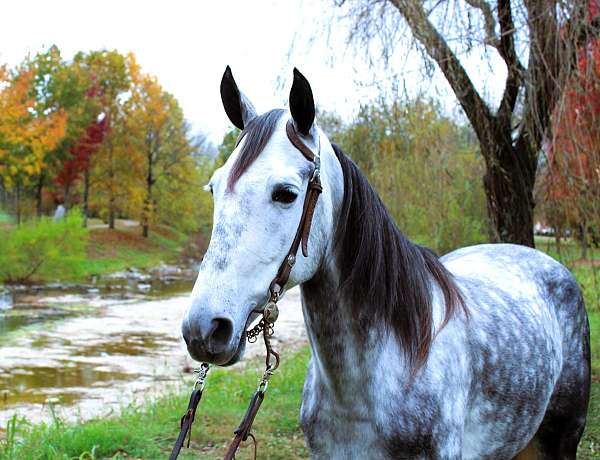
59, 213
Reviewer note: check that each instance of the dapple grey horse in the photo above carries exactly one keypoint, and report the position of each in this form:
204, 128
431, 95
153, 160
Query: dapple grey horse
481, 354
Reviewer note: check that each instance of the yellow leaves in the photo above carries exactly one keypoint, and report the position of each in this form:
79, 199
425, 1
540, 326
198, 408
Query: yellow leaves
25, 137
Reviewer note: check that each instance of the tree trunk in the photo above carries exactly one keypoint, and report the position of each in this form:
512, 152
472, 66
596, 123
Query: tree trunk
508, 184
148, 201
111, 196
38, 195
583, 239
67, 197
86, 191
18, 204
111, 213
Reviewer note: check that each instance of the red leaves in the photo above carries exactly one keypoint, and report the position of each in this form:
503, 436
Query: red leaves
79, 158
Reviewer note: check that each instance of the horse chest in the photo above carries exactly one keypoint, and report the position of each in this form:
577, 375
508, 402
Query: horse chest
374, 421
332, 432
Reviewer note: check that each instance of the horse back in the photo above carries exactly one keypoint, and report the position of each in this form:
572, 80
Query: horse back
527, 338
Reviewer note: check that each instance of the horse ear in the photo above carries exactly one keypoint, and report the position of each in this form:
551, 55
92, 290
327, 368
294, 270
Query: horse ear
302, 104
237, 106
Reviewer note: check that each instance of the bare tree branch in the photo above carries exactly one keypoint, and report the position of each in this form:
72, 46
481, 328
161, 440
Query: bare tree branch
490, 21
514, 67
474, 106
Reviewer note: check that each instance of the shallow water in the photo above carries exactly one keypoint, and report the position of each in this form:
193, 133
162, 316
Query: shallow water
89, 350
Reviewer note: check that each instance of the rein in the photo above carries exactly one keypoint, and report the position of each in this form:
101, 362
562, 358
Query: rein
270, 313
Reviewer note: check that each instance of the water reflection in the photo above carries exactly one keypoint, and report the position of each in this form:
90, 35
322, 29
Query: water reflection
93, 348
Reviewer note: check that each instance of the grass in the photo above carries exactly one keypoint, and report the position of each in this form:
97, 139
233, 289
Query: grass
147, 429
6, 218
104, 251
589, 448
116, 250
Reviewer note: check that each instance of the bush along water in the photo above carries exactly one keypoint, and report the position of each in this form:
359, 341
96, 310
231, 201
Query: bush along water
43, 248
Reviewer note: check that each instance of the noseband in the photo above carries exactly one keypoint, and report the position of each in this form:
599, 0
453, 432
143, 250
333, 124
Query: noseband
270, 312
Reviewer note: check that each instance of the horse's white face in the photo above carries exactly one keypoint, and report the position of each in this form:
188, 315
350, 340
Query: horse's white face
254, 224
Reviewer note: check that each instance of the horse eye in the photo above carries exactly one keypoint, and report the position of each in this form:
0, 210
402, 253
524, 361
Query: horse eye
284, 195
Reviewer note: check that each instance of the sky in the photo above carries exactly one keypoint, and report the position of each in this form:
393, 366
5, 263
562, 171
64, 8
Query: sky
187, 45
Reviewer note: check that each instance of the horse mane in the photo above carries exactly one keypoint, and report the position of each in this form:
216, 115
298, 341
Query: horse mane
257, 134
387, 279
384, 276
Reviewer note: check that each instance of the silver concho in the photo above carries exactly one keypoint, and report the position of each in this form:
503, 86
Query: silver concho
271, 312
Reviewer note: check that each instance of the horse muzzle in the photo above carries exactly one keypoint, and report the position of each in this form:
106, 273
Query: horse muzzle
212, 340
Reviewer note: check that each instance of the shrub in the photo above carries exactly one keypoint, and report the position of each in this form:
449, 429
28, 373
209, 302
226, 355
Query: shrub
43, 249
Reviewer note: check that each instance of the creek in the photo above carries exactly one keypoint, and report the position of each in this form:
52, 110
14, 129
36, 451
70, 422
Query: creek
88, 350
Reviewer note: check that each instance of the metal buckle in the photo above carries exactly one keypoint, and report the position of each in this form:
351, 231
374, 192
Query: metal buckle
202, 371
317, 171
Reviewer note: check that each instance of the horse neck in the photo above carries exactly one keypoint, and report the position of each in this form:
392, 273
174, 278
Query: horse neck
341, 351
389, 303
341, 356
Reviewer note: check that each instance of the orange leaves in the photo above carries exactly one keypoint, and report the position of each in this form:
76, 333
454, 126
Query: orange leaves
24, 136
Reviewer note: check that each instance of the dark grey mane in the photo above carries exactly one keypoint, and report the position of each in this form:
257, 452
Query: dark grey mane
386, 278
257, 134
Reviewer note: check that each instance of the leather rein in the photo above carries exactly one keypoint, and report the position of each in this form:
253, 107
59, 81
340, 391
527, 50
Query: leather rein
270, 313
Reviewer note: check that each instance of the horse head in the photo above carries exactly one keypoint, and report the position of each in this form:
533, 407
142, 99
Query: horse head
258, 203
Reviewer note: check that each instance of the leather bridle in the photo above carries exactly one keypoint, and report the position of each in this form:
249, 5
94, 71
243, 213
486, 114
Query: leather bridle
269, 313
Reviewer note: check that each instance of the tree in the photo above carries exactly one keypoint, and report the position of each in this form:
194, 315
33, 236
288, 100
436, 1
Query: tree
58, 85
545, 32
78, 161
161, 140
111, 73
423, 165
571, 181
26, 135
227, 145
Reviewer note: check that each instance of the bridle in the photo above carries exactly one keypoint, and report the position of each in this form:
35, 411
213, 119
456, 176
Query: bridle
270, 313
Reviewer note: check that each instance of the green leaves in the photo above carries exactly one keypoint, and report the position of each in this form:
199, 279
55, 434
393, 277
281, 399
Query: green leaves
425, 167
43, 248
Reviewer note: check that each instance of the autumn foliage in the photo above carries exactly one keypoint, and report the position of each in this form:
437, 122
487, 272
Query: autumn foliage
80, 154
571, 183
96, 131
25, 136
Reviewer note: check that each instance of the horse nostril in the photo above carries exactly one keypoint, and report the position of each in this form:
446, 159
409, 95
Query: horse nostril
222, 330
205, 337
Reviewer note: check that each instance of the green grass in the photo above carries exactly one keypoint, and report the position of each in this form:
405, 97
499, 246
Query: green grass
588, 275
6, 218
116, 250
589, 448
148, 431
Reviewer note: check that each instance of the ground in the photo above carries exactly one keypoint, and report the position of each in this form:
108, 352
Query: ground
125, 247
147, 429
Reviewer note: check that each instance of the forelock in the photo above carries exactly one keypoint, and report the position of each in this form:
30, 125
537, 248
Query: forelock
256, 135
